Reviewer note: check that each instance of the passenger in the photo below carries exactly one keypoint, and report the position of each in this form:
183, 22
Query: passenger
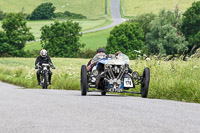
91, 63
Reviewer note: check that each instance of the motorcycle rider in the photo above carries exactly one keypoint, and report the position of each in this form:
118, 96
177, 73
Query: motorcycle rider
43, 58
90, 64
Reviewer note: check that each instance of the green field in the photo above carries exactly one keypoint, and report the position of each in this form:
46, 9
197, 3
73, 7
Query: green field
136, 7
86, 25
175, 80
94, 9
92, 40
95, 40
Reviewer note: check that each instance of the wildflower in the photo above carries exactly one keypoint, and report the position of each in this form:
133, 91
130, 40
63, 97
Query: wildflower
148, 59
195, 67
144, 55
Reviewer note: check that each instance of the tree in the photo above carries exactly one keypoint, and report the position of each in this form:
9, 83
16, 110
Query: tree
15, 34
43, 11
144, 21
126, 38
165, 37
191, 24
62, 39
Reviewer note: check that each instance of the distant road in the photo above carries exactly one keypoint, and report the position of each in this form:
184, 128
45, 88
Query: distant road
63, 111
116, 16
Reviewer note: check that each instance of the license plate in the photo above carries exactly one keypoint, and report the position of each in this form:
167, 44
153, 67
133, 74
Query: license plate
128, 82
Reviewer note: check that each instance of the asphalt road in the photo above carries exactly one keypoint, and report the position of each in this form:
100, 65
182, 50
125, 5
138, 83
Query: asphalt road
115, 14
61, 111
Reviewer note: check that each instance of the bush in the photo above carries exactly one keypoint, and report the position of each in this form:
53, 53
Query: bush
62, 39
165, 37
43, 11
69, 15
126, 38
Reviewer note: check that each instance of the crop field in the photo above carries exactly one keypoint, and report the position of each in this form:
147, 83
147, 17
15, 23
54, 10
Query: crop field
176, 79
91, 8
136, 7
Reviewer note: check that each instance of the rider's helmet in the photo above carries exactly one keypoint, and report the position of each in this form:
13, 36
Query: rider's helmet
101, 50
43, 53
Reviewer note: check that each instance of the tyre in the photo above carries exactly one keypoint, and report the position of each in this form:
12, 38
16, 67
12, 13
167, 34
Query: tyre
145, 82
84, 83
103, 93
45, 81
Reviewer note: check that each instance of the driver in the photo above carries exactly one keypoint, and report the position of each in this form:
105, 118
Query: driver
43, 58
90, 64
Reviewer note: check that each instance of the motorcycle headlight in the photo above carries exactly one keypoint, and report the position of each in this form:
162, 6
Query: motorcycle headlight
95, 72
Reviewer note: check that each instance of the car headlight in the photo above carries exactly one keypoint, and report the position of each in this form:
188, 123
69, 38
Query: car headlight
95, 72
135, 75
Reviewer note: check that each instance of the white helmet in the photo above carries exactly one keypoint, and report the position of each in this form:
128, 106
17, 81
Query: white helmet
43, 53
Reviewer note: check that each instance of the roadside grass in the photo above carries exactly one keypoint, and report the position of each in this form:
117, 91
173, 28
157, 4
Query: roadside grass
174, 80
93, 9
136, 7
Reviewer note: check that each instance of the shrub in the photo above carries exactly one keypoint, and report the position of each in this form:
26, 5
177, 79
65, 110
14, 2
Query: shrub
43, 11
69, 15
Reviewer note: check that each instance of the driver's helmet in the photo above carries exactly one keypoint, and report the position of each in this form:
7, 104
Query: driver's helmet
101, 50
43, 53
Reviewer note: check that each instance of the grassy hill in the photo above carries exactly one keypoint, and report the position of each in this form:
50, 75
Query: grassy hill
135, 7
90, 8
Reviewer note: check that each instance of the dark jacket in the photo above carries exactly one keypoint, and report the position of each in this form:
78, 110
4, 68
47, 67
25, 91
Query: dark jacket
40, 60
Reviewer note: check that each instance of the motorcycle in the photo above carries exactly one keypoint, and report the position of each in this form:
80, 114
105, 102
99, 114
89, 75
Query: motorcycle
44, 75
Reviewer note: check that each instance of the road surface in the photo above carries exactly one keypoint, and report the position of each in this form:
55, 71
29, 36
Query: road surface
62, 111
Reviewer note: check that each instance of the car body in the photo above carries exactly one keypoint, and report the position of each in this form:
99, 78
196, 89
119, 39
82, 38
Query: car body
111, 73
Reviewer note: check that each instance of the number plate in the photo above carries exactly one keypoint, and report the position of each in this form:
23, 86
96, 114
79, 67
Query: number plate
128, 82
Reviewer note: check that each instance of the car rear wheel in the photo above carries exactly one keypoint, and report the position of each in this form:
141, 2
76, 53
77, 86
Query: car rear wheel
84, 83
145, 82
